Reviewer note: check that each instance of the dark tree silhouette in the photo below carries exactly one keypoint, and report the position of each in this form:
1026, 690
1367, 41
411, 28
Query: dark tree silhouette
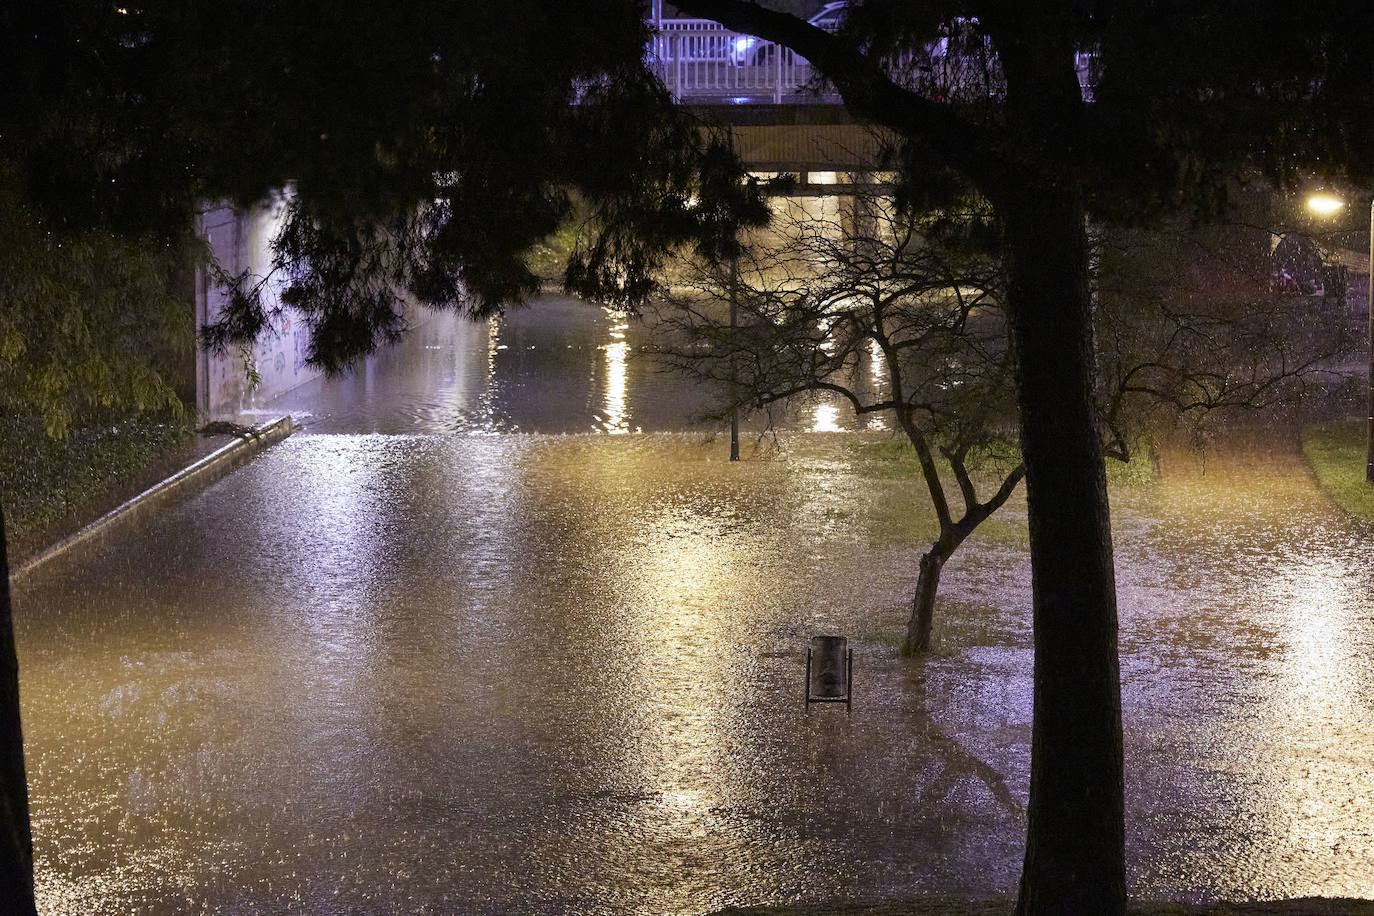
428, 150
824, 302
900, 312
424, 149
1185, 95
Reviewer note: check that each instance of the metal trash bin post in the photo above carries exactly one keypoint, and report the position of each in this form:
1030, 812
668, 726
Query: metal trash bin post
829, 670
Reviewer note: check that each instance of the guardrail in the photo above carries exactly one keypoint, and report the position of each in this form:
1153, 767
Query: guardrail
190, 479
699, 59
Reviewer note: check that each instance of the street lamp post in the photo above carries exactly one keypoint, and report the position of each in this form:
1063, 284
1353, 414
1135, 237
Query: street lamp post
734, 392
1325, 205
1369, 413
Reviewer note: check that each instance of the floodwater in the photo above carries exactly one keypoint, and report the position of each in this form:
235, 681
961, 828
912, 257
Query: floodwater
560, 367
432, 655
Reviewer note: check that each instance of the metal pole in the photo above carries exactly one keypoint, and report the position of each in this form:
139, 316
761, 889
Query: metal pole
734, 323
1369, 414
734, 382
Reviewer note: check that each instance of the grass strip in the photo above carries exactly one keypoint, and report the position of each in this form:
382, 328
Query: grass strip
1336, 454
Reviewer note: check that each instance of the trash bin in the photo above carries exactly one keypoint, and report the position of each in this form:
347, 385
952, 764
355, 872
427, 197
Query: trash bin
829, 670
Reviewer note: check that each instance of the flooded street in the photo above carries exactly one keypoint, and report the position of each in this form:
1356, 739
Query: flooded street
458, 647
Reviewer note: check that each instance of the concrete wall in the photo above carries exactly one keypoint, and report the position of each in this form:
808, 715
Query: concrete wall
241, 240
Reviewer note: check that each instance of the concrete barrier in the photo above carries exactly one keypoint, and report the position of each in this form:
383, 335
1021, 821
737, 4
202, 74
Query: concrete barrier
197, 476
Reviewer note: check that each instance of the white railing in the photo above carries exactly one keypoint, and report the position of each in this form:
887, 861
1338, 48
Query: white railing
697, 39
700, 59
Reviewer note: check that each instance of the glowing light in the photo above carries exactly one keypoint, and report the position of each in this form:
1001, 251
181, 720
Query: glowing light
1324, 204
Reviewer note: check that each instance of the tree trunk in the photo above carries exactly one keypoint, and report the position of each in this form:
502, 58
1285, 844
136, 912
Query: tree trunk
923, 605
16, 840
1075, 840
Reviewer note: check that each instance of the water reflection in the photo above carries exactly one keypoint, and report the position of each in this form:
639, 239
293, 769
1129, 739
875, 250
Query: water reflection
487, 401
479, 673
616, 417
1260, 682
557, 366
879, 383
826, 418
1316, 597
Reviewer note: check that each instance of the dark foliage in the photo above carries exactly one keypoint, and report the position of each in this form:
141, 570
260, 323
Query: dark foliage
424, 148
1185, 96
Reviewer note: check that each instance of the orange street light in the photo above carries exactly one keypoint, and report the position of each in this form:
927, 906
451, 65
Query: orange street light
1324, 204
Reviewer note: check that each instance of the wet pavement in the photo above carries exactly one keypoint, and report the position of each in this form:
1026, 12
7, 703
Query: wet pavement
458, 648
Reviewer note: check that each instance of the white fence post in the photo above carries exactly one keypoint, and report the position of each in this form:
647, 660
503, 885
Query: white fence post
778, 52
677, 66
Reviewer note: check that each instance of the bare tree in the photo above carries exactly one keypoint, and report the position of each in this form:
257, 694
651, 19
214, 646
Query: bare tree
901, 312
1191, 324
891, 312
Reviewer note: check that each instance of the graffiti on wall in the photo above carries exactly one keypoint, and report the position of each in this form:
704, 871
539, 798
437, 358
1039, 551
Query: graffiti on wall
246, 380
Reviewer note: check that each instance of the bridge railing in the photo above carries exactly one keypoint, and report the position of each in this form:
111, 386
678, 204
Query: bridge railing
701, 60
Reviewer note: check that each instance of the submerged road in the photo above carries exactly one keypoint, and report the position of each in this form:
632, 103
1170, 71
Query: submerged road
433, 654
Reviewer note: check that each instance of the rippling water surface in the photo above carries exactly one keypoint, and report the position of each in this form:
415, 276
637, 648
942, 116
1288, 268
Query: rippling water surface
401, 664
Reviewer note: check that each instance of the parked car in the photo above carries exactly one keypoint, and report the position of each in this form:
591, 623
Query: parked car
831, 16
749, 51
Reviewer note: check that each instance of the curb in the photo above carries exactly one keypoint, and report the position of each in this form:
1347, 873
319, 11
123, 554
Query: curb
199, 475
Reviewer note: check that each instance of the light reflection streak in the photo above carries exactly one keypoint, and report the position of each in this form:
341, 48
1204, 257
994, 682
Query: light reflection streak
826, 419
1322, 682
878, 381
488, 398
617, 418
453, 395
343, 497
1317, 638
877, 367
688, 571
1277, 623
493, 345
